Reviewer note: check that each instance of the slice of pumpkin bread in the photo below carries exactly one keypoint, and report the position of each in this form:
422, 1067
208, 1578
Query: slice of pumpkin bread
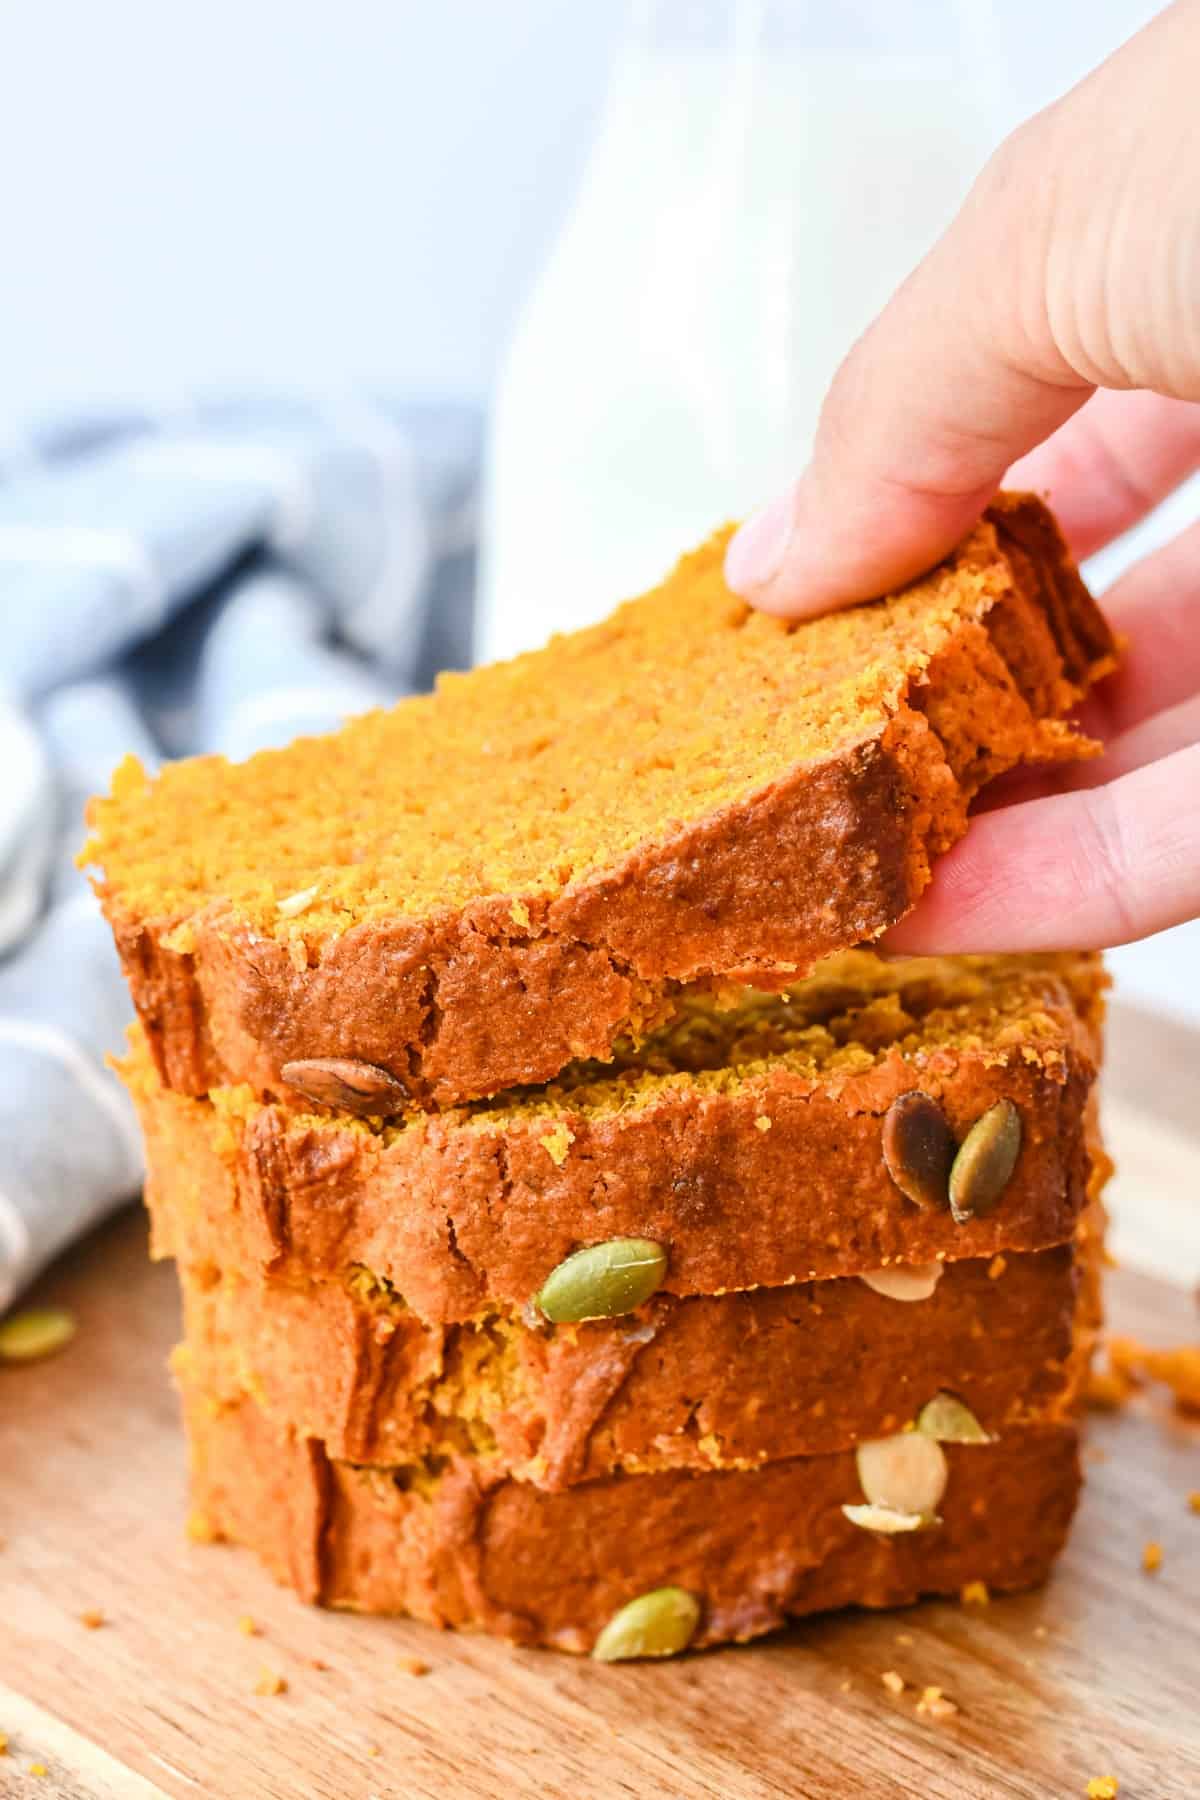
708, 1382
794, 1138
485, 884
623, 1566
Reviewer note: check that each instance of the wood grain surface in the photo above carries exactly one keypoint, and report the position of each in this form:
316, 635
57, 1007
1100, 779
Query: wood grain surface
1097, 1674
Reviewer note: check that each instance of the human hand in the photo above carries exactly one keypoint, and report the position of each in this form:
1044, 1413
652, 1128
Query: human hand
1074, 265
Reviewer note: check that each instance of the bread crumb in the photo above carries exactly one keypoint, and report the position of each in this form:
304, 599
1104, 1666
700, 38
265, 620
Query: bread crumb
292, 905
3, 1743
762, 1123
249, 1627
844, 1687
412, 1665
1106, 1391
1194, 1500
1178, 1370
92, 1619
199, 1529
181, 939
314, 1662
975, 1593
1103, 1787
38, 1769
1152, 1555
556, 1143
893, 1682
270, 1683
374, 1750
933, 1704
519, 913
997, 1267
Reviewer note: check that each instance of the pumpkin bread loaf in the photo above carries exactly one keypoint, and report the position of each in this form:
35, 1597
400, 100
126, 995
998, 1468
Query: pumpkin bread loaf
486, 884
622, 1566
754, 1147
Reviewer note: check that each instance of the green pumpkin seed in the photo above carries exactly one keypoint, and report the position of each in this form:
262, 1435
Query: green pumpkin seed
603, 1281
39, 1332
918, 1148
885, 1519
660, 1623
946, 1419
986, 1159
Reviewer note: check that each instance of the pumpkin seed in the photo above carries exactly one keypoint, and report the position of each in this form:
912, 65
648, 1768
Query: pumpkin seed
660, 1623
918, 1148
946, 1419
885, 1518
343, 1081
40, 1331
914, 1282
292, 905
603, 1280
986, 1159
906, 1473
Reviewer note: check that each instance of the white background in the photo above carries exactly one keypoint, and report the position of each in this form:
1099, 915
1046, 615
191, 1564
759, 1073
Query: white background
317, 191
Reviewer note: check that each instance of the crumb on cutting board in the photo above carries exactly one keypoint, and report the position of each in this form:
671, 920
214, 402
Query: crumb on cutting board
934, 1704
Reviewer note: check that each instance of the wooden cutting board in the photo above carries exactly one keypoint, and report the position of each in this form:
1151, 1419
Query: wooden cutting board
1097, 1674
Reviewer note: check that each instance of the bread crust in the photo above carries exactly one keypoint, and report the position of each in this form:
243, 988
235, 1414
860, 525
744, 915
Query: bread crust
468, 1001
756, 1547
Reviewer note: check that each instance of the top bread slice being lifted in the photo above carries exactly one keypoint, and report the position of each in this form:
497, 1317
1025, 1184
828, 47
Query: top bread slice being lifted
469, 891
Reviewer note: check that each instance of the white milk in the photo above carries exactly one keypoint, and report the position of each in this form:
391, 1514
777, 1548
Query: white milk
745, 213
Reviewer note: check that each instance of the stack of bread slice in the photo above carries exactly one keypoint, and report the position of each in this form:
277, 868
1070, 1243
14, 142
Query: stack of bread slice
581, 1236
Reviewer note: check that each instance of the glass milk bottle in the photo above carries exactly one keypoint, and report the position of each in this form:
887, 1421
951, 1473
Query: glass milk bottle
763, 177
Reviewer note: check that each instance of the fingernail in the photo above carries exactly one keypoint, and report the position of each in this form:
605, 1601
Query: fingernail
756, 552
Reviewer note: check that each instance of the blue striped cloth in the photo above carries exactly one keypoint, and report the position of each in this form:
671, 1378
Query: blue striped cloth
220, 581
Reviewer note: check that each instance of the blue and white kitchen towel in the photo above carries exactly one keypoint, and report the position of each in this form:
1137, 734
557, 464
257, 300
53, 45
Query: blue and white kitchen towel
220, 581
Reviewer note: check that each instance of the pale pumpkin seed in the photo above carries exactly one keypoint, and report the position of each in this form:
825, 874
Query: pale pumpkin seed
918, 1148
344, 1082
603, 1280
40, 1331
906, 1473
946, 1419
885, 1519
912, 1281
986, 1159
660, 1623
